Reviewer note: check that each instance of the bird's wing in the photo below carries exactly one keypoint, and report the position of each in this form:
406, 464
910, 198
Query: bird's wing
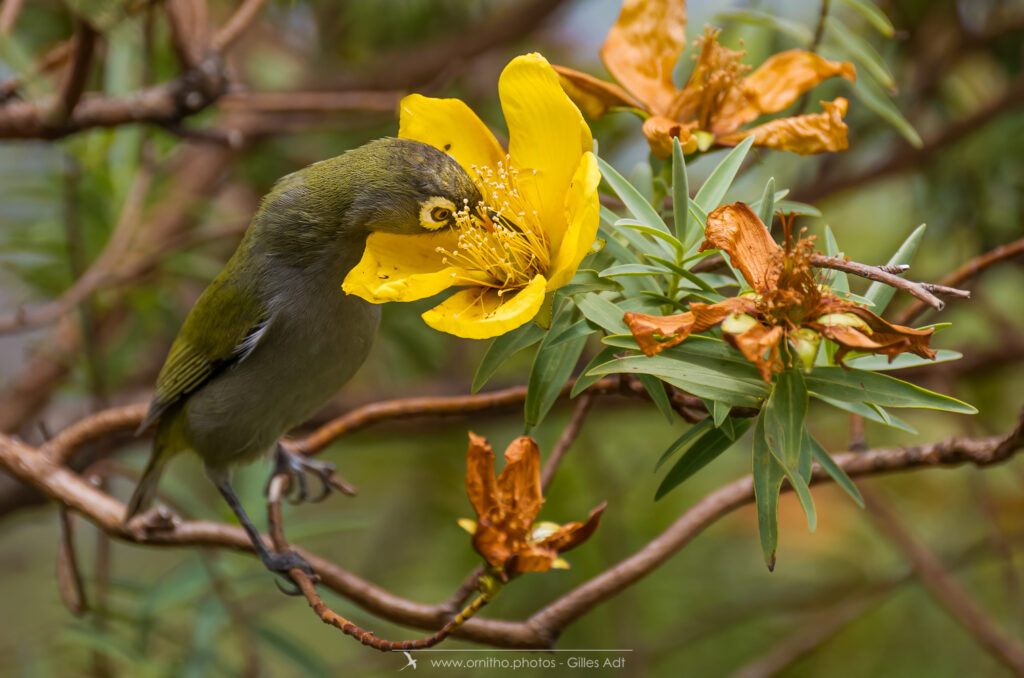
224, 327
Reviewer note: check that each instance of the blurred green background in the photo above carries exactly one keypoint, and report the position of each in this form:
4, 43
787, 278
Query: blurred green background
710, 609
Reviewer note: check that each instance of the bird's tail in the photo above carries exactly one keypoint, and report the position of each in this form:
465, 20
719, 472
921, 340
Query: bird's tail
145, 491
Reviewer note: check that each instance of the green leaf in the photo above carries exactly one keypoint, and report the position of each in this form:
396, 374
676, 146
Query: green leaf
585, 381
840, 283
686, 230
711, 193
580, 328
833, 469
784, 416
552, 367
797, 31
633, 199
767, 207
794, 207
688, 275
871, 95
719, 412
880, 363
656, 233
859, 386
656, 389
697, 374
768, 475
502, 348
633, 270
702, 452
881, 294
862, 52
873, 15
589, 280
684, 441
872, 412
603, 313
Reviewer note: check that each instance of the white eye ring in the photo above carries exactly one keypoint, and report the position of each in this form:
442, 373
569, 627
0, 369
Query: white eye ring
435, 212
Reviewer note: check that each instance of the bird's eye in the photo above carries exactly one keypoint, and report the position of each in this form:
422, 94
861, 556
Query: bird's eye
440, 214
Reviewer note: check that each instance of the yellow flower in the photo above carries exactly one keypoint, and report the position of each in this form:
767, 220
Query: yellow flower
540, 196
720, 96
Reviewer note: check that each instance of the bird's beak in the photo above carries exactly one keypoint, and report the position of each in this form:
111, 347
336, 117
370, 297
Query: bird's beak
483, 214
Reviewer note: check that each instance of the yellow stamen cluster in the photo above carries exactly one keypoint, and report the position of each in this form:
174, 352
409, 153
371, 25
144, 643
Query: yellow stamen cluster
501, 238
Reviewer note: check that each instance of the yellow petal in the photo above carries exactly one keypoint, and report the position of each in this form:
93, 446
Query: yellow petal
643, 46
593, 95
403, 267
481, 312
779, 81
452, 126
582, 209
547, 136
803, 134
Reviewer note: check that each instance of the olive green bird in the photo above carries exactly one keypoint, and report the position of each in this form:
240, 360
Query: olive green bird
274, 336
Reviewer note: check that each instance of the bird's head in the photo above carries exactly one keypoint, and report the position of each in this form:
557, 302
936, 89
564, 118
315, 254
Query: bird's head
408, 187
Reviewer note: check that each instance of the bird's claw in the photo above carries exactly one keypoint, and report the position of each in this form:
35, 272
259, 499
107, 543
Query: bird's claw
282, 564
296, 467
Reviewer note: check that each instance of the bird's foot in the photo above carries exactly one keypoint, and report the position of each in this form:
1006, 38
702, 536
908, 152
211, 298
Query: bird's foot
282, 564
296, 467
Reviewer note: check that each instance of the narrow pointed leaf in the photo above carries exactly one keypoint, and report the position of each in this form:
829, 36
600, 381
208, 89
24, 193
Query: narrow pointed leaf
711, 193
881, 294
502, 348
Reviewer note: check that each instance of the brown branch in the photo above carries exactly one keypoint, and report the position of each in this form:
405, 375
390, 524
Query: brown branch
187, 20
9, 11
77, 74
964, 273
236, 25
944, 587
307, 585
809, 636
185, 95
56, 57
885, 274
540, 630
565, 441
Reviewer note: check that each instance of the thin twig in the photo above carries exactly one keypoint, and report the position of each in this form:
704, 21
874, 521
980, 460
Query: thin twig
924, 291
944, 587
9, 11
307, 584
565, 441
77, 74
964, 273
236, 25
809, 636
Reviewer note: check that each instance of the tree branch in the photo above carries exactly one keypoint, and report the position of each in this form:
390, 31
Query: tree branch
40, 469
964, 273
924, 291
944, 588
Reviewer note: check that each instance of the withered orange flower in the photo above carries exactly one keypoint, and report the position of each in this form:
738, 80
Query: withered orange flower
505, 533
787, 302
720, 96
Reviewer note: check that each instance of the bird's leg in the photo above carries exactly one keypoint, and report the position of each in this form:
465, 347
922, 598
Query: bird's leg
296, 466
278, 563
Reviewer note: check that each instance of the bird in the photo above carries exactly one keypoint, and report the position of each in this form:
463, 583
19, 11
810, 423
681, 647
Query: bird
274, 336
